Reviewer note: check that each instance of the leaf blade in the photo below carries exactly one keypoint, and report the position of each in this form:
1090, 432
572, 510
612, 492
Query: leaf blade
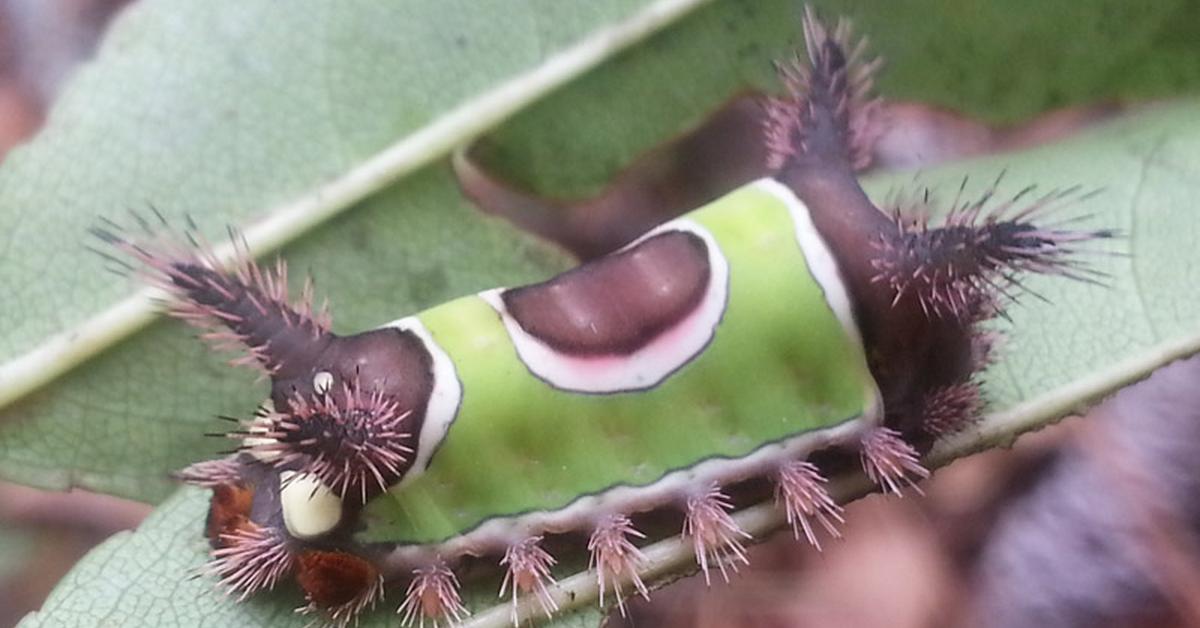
53, 332
1077, 386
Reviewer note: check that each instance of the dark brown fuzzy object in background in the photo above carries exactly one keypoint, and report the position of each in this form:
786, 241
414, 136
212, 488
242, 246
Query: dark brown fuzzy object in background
1109, 536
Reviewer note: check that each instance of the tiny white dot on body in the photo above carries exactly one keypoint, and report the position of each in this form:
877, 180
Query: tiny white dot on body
322, 382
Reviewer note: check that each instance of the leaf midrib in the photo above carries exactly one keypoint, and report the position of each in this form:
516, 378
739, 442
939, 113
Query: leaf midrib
285, 223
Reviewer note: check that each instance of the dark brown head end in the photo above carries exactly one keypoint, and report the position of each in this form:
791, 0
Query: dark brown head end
356, 443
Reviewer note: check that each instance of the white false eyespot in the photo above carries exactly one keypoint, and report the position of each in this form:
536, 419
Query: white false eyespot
322, 382
310, 508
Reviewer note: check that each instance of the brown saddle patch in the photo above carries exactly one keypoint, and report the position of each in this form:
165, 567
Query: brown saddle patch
619, 303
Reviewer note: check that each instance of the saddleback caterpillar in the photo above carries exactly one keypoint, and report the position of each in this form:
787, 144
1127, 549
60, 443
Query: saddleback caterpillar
741, 346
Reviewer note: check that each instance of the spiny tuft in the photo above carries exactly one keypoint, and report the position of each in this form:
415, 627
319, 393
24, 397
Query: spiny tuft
351, 441
433, 594
238, 306
527, 570
829, 99
800, 489
716, 537
890, 462
963, 267
950, 409
212, 473
251, 558
614, 556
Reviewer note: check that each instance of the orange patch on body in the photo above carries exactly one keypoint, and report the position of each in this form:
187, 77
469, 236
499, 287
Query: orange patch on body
331, 579
228, 511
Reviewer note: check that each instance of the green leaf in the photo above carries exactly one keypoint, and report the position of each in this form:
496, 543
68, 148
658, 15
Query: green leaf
1057, 357
274, 120
1002, 61
235, 112
148, 578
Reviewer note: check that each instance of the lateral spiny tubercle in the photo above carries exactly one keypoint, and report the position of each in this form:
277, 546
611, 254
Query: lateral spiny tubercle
355, 421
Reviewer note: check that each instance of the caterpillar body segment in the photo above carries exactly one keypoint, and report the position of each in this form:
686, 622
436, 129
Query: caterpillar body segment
533, 421
779, 374
790, 317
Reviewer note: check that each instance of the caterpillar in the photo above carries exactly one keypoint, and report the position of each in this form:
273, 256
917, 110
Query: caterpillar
754, 344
